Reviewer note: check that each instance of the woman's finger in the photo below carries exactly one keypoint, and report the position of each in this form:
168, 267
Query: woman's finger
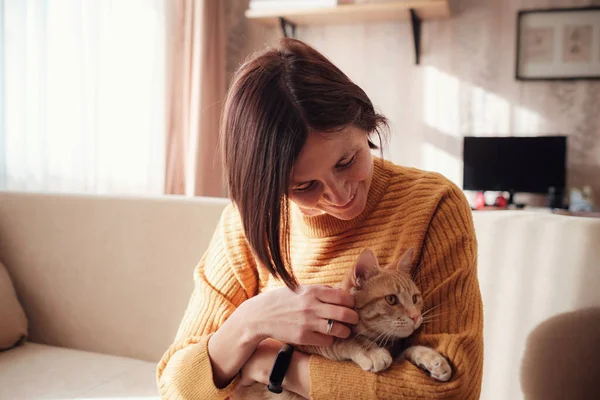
337, 329
341, 314
318, 339
334, 296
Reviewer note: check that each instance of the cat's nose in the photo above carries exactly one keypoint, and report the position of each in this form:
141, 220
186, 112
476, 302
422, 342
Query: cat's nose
415, 318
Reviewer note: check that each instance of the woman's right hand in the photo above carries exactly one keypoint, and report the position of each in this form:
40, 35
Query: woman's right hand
301, 318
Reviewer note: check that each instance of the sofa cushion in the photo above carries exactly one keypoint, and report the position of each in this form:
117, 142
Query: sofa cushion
14, 322
36, 371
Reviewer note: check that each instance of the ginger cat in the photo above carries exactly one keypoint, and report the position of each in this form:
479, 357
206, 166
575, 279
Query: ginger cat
389, 306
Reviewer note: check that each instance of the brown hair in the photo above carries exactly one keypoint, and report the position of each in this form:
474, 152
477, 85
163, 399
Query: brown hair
276, 98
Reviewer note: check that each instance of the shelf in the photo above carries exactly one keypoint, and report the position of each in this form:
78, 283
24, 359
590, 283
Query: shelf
354, 13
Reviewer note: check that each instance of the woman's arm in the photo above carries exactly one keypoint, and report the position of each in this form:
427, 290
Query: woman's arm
186, 370
230, 347
258, 368
225, 321
447, 277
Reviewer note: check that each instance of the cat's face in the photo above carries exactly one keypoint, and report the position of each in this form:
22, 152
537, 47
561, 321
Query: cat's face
387, 300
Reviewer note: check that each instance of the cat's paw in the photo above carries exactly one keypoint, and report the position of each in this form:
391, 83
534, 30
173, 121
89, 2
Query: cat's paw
375, 360
431, 361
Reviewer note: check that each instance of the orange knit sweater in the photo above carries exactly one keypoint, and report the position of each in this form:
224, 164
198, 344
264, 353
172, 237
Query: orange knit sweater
405, 208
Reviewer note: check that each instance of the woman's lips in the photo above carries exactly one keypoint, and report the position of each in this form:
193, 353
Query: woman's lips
348, 204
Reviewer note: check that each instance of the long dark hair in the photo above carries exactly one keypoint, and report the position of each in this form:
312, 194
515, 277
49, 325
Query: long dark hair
276, 98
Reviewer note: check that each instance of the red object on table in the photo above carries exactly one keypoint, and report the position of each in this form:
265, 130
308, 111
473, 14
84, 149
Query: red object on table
501, 201
479, 201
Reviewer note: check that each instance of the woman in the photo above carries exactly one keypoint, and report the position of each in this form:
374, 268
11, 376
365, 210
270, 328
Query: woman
308, 197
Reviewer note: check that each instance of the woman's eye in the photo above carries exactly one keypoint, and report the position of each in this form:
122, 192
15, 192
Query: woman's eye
346, 164
415, 298
305, 187
391, 299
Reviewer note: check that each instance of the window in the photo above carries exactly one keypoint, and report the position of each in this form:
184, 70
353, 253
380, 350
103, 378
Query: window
82, 96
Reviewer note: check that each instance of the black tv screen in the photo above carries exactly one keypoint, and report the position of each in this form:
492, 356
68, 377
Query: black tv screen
519, 164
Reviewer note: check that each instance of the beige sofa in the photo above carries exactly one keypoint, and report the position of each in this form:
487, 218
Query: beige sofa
104, 282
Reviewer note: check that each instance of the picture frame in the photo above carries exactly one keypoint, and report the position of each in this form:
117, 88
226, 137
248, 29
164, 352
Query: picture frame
558, 44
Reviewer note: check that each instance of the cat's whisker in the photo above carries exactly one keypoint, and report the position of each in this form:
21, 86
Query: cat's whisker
380, 323
372, 342
385, 337
431, 309
431, 316
429, 319
373, 328
364, 332
392, 333
389, 336
436, 307
376, 341
438, 312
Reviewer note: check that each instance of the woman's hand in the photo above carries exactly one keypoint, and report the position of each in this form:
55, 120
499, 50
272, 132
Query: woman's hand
281, 314
258, 367
301, 318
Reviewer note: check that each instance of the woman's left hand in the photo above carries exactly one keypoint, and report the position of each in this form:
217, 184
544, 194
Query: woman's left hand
258, 367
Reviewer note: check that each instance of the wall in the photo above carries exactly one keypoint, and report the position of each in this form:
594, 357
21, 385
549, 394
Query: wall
465, 85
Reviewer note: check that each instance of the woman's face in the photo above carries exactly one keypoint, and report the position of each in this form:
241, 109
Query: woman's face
333, 174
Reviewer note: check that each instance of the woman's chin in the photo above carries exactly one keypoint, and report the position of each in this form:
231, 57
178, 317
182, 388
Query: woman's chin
351, 213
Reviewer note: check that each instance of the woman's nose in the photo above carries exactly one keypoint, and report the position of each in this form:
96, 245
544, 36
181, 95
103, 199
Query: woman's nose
337, 193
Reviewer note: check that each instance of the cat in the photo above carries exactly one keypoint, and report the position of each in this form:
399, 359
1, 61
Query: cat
389, 306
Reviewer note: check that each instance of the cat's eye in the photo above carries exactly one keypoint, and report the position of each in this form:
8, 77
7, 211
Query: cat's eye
415, 298
391, 299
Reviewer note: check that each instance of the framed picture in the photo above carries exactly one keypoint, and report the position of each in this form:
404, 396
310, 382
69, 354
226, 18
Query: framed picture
558, 44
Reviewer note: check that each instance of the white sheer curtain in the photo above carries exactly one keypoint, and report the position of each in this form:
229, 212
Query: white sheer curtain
82, 95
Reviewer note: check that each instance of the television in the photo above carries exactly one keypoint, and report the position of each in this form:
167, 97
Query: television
515, 164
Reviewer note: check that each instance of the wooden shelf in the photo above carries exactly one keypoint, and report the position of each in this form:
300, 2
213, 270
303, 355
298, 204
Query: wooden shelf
398, 10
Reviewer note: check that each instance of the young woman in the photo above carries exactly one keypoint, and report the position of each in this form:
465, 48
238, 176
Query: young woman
308, 197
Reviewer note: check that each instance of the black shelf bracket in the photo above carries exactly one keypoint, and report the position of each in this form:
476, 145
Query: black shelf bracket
287, 28
416, 28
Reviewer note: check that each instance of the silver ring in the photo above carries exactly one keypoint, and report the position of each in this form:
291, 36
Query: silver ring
329, 326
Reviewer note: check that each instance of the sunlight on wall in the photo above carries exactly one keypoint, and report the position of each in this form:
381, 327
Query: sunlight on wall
442, 108
526, 122
453, 109
438, 160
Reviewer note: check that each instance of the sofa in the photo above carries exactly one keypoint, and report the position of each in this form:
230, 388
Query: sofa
104, 280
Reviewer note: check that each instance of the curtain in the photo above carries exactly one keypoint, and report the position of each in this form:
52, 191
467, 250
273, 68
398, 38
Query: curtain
196, 89
82, 95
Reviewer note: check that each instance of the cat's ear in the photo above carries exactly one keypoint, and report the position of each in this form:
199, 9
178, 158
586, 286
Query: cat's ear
405, 262
366, 267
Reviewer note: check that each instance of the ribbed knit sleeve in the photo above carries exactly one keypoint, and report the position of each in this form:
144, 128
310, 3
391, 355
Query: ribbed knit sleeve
447, 277
224, 279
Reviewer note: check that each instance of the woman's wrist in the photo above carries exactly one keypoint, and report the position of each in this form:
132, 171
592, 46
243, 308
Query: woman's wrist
249, 319
297, 378
230, 347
